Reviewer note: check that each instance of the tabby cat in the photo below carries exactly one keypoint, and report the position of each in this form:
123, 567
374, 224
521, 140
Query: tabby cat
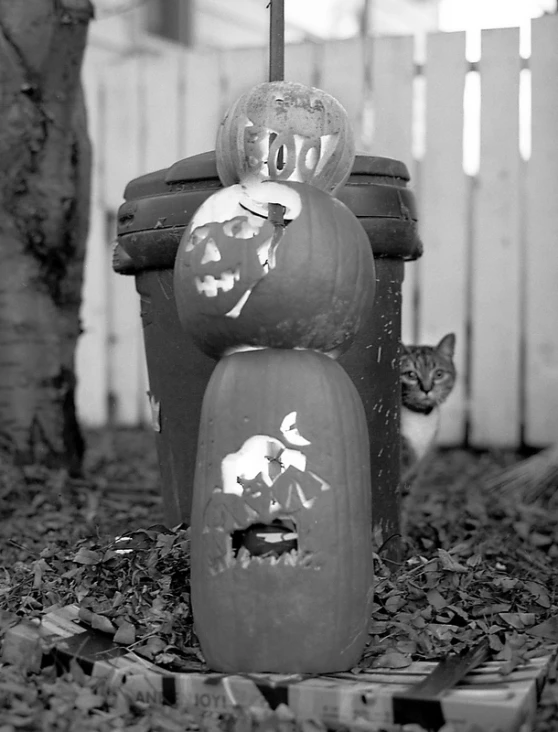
427, 375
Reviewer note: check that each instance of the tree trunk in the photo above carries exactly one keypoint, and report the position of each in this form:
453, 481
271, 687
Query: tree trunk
45, 162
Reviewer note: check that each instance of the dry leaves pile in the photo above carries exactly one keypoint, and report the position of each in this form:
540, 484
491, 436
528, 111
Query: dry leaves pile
473, 567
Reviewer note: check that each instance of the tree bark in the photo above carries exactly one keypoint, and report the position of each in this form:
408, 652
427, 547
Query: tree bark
45, 162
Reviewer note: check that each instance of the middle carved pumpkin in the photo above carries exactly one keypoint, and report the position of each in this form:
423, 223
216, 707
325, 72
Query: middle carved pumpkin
241, 280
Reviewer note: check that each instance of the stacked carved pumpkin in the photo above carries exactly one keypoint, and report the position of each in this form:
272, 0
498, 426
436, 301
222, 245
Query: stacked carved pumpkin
273, 277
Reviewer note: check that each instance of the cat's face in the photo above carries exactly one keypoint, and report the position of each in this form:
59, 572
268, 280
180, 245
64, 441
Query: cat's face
427, 374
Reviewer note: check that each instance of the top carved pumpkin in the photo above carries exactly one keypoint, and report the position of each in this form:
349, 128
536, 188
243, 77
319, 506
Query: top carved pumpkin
282, 130
240, 280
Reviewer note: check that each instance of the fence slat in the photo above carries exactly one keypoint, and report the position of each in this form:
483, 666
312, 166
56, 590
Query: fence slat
392, 74
541, 388
124, 159
495, 374
200, 106
342, 76
241, 69
91, 351
158, 147
301, 63
443, 216
159, 116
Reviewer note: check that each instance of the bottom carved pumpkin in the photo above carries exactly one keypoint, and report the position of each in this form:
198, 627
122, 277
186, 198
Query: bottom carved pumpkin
281, 552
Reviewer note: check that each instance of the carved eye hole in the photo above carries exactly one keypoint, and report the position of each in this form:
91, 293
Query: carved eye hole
280, 158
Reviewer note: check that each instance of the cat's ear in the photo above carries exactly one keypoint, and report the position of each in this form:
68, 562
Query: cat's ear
447, 345
405, 350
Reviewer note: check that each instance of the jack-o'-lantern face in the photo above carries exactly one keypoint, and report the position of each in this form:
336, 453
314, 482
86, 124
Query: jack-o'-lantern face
227, 260
286, 131
260, 510
230, 245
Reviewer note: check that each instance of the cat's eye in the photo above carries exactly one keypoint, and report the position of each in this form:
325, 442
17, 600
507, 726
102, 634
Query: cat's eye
410, 375
439, 374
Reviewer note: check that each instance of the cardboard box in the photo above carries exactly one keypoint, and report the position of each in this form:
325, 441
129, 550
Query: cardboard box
484, 701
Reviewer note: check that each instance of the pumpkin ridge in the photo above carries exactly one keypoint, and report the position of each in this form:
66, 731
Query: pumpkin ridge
350, 507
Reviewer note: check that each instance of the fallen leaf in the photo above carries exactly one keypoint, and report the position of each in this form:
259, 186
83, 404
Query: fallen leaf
519, 621
125, 634
407, 647
449, 563
538, 539
539, 592
87, 556
436, 599
87, 700
392, 659
548, 629
96, 621
478, 612
394, 603
442, 631
474, 560
506, 583
151, 647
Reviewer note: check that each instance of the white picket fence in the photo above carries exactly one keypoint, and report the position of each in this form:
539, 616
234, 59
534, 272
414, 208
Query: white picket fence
490, 268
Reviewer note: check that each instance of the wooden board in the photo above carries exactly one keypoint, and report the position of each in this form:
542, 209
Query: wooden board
158, 147
541, 327
342, 75
91, 353
443, 217
200, 104
392, 74
159, 101
124, 158
495, 374
302, 63
240, 70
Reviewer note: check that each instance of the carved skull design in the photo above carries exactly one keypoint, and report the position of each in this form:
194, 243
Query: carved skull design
231, 245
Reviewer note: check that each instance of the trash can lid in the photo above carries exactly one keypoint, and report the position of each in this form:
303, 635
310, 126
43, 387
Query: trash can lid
204, 167
366, 164
160, 204
197, 167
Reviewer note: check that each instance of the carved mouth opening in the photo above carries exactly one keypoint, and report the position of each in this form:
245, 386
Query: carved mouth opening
265, 540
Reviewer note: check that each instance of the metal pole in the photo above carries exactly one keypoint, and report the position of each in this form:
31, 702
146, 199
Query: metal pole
276, 40
276, 73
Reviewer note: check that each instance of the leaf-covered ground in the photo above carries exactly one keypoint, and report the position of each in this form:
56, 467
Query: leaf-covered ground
474, 566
